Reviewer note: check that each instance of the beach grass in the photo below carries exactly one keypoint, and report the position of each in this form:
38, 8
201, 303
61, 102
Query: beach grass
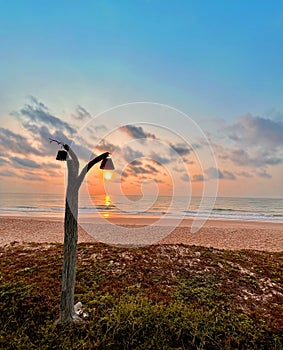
157, 297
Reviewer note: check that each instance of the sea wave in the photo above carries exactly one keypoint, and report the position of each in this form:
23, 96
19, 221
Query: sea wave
225, 209
235, 215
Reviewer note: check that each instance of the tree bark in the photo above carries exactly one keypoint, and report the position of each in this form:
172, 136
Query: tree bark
67, 312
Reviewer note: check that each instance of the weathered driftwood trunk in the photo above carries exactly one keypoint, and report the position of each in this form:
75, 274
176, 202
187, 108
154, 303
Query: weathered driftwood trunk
67, 312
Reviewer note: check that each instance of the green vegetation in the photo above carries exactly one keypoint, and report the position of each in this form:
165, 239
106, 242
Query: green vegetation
158, 297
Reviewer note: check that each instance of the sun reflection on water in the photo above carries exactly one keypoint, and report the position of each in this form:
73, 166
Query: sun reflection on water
107, 204
107, 200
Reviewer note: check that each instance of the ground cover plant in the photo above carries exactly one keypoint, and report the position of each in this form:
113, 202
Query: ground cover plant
157, 297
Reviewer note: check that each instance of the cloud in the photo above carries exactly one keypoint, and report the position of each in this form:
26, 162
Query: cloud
158, 181
82, 114
32, 177
36, 102
40, 126
82, 151
32, 150
227, 175
152, 169
253, 142
245, 174
214, 173
136, 162
94, 130
27, 163
256, 131
198, 178
261, 158
137, 132
105, 146
264, 174
158, 158
140, 168
181, 149
129, 154
7, 173
9, 141
3, 161
51, 165
41, 132
185, 177
36, 113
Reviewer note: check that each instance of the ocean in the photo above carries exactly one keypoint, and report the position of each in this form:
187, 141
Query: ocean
224, 208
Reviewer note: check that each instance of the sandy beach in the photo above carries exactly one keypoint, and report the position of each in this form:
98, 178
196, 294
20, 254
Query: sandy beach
232, 235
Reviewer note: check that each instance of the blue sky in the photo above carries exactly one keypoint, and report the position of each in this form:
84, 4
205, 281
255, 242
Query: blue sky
220, 62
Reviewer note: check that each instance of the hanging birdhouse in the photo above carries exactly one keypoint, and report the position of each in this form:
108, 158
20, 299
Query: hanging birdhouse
107, 164
62, 155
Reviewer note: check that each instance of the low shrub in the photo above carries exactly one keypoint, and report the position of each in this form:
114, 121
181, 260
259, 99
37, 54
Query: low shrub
149, 304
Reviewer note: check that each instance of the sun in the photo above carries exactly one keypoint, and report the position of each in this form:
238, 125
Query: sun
107, 175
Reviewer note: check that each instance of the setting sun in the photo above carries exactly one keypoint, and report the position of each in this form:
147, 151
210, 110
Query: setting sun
107, 175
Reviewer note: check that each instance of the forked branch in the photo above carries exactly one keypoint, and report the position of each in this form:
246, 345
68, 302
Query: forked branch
73, 165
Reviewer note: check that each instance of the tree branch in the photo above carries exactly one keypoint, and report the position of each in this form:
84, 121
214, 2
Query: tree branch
72, 154
73, 164
53, 140
90, 165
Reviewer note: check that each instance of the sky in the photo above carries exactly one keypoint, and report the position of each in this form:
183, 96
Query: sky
187, 95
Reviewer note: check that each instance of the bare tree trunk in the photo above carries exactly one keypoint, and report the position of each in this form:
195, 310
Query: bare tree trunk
67, 312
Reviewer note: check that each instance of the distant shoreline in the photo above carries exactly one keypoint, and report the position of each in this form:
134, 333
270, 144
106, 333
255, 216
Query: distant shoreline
220, 234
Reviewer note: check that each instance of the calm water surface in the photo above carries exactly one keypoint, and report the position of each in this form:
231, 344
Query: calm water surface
225, 208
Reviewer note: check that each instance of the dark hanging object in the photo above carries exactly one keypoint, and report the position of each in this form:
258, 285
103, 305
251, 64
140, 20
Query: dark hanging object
107, 164
62, 155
